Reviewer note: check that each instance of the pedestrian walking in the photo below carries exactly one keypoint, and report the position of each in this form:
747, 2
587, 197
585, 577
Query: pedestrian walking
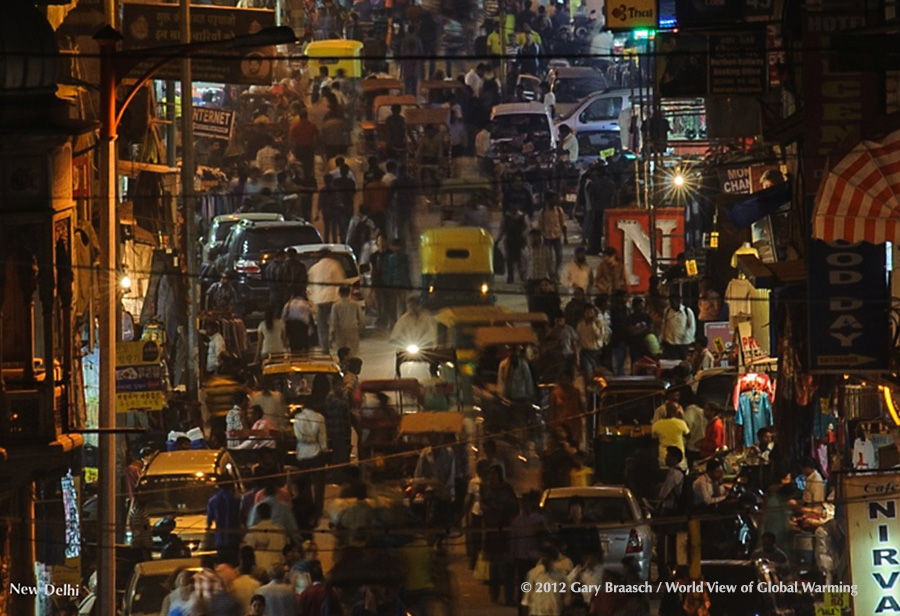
499, 506
299, 320
551, 222
271, 335
325, 278
348, 319
397, 279
538, 265
512, 237
678, 328
312, 449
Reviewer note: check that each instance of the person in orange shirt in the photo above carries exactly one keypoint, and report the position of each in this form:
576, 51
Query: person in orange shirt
566, 406
715, 430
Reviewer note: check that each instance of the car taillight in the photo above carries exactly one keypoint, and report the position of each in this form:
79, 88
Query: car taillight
635, 543
250, 268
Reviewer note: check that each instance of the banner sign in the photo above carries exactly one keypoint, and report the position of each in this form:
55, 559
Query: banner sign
681, 65
628, 231
873, 534
631, 14
737, 63
735, 181
692, 13
834, 103
213, 122
848, 301
158, 25
141, 380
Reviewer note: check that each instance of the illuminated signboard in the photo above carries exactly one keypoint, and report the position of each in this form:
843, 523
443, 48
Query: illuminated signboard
873, 538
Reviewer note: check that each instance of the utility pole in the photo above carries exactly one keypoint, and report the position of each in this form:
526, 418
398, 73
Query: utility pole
189, 203
106, 583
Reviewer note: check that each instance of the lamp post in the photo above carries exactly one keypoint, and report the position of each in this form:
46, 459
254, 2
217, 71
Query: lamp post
113, 66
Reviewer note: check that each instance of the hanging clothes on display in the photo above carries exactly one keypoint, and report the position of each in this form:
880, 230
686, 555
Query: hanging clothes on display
754, 411
232, 329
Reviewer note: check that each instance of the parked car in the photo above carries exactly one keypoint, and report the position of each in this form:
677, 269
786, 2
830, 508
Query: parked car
249, 247
221, 226
149, 585
595, 121
178, 484
623, 528
310, 254
571, 84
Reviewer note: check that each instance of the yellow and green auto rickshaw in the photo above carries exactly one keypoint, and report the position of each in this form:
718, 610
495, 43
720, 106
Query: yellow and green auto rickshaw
457, 267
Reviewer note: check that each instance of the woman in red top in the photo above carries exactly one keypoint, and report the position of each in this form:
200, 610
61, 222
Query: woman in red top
715, 430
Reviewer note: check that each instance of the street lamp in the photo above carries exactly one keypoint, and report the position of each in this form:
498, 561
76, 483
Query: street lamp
115, 65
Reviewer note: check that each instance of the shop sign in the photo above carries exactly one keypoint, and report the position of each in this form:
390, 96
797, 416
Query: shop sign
631, 14
834, 103
681, 65
848, 302
873, 536
141, 381
719, 336
159, 25
706, 12
735, 181
738, 64
628, 231
213, 122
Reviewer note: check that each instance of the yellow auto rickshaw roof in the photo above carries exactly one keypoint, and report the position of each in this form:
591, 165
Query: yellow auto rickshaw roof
339, 48
466, 315
499, 336
450, 236
301, 366
425, 422
457, 250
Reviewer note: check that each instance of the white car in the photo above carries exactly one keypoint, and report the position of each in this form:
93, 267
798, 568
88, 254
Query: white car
571, 84
149, 585
511, 122
221, 225
595, 122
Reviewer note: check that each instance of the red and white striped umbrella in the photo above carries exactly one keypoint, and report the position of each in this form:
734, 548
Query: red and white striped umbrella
859, 200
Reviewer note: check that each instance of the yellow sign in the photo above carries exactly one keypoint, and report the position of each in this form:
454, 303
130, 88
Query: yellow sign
873, 534
828, 610
632, 14
140, 401
690, 267
137, 353
91, 474
837, 599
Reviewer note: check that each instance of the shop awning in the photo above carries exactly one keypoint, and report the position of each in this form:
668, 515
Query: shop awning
859, 199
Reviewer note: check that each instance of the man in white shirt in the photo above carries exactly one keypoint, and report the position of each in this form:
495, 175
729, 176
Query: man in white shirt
543, 575
568, 144
475, 79
415, 326
696, 421
348, 319
708, 488
578, 273
814, 492
267, 538
312, 443
325, 278
215, 349
678, 328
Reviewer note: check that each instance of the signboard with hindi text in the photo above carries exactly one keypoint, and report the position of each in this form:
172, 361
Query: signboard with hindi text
145, 26
141, 378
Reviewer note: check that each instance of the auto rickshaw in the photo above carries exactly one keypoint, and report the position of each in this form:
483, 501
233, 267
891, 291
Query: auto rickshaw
336, 54
625, 407
457, 267
440, 379
303, 379
381, 109
382, 406
457, 327
456, 193
371, 90
435, 91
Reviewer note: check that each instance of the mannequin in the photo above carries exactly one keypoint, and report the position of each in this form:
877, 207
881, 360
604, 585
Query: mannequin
740, 293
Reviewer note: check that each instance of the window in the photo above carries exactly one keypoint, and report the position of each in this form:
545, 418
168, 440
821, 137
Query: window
176, 494
606, 108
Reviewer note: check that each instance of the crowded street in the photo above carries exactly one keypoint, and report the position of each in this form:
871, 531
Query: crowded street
457, 308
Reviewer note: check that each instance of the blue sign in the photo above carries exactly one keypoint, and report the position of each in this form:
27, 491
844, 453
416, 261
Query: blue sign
848, 307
